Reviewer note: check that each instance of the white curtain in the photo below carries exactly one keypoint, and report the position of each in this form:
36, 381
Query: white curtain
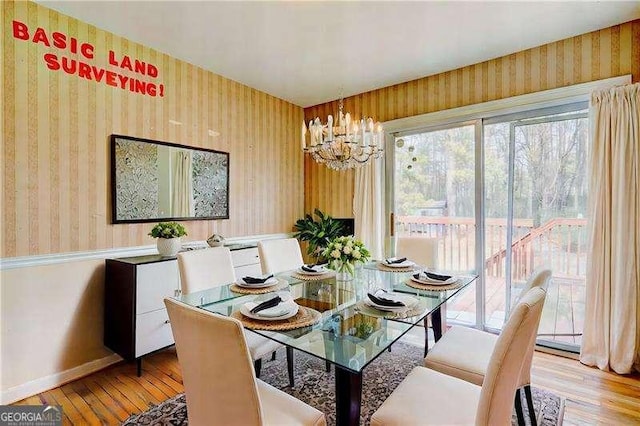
182, 194
368, 206
612, 313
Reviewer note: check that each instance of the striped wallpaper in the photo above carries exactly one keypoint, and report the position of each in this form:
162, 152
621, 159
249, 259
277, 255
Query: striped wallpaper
55, 144
609, 52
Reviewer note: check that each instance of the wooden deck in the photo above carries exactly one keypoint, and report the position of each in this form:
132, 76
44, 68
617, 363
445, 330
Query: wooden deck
559, 244
562, 318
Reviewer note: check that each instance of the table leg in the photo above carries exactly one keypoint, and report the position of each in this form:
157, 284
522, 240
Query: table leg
348, 397
426, 335
437, 322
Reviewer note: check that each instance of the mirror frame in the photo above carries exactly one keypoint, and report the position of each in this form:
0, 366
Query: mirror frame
114, 198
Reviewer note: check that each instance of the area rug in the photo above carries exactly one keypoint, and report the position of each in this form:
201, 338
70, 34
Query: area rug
316, 387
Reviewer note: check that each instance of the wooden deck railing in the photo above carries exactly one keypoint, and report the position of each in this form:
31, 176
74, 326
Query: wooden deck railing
558, 244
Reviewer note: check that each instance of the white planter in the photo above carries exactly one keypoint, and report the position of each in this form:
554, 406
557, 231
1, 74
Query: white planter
169, 247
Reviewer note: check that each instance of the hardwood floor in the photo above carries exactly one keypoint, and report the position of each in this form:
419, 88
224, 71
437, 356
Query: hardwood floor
592, 396
111, 395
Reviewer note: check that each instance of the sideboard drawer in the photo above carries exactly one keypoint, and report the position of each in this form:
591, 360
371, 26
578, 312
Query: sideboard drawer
153, 331
154, 282
250, 270
248, 256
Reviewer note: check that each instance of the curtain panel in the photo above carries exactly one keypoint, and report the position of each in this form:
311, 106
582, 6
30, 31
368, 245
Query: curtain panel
368, 206
611, 337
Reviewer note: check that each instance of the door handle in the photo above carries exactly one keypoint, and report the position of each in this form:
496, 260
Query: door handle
392, 225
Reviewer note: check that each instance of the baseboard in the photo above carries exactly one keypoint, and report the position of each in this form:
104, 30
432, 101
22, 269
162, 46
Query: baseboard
558, 352
42, 384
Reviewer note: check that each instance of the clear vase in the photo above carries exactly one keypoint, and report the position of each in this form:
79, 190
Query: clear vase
344, 276
344, 272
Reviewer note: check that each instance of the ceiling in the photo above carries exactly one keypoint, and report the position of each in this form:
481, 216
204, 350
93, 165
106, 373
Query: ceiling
310, 52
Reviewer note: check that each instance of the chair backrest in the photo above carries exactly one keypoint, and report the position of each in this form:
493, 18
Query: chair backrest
539, 278
422, 250
217, 371
503, 373
205, 268
279, 255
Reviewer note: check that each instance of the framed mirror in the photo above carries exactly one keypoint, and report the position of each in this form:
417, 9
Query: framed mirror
153, 181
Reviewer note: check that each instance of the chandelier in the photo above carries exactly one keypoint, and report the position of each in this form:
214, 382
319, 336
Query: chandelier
344, 145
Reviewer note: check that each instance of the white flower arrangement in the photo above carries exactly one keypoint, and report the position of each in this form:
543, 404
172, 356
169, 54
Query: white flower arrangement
344, 252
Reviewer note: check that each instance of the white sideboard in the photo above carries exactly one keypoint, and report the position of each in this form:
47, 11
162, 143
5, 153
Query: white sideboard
246, 262
135, 319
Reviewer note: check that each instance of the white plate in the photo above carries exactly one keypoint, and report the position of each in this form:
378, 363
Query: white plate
321, 270
268, 283
405, 264
409, 302
286, 309
428, 281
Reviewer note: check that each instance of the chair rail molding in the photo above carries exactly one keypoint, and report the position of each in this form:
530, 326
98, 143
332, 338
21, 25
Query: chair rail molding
51, 259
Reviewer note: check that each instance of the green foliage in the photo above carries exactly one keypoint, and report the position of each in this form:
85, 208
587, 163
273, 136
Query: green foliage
444, 170
364, 329
168, 230
318, 233
550, 170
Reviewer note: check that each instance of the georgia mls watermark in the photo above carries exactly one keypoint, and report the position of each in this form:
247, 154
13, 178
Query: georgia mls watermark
30, 415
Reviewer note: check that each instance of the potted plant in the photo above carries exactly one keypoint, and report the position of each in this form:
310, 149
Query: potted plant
168, 235
343, 253
318, 233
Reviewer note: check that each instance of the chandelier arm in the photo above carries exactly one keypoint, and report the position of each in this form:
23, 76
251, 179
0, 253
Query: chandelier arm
345, 157
365, 160
319, 154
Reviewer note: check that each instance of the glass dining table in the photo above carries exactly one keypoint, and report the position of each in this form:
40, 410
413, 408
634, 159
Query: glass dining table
350, 333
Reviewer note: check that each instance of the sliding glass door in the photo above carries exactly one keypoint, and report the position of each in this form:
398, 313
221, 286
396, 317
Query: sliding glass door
535, 208
434, 184
531, 210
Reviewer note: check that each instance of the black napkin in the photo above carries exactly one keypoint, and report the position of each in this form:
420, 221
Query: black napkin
382, 301
309, 268
432, 276
255, 280
393, 261
267, 304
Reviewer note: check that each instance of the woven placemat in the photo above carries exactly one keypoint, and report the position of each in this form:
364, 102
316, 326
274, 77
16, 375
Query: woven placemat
306, 277
304, 318
362, 307
386, 268
244, 290
419, 286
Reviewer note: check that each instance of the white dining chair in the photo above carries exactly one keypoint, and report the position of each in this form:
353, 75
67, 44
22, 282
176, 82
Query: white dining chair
213, 267
422, 250
205, 268
279, 255
427, 396
465, 352
219, 385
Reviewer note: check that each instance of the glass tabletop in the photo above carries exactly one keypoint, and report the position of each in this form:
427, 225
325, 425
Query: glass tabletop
350, 333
